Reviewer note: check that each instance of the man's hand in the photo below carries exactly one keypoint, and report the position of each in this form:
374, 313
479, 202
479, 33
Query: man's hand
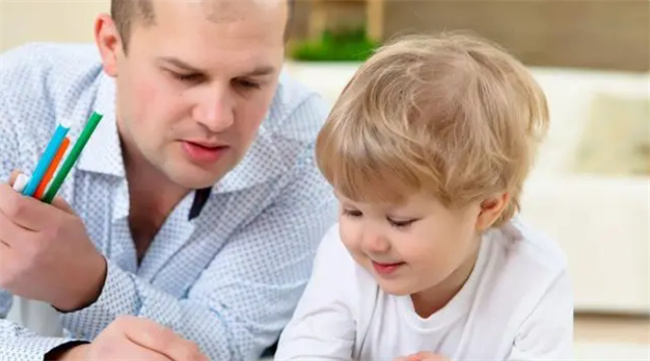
423, 356
132, 338
45, 253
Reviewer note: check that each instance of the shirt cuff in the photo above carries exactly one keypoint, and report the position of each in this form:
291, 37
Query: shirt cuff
118, 297
30, 348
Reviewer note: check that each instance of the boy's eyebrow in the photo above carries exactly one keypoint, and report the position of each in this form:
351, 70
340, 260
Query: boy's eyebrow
258, 71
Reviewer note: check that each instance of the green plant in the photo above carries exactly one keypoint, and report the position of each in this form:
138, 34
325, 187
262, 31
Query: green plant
351, 45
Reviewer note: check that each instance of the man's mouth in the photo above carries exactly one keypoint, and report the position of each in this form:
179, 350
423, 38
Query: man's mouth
203, 152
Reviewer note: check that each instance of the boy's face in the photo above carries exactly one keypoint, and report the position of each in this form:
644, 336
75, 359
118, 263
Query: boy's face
413, 248
194, 87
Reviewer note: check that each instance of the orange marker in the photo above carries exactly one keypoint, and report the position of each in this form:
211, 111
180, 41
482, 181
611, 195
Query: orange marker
51, 169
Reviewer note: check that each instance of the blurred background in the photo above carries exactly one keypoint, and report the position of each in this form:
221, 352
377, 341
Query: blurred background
590, 189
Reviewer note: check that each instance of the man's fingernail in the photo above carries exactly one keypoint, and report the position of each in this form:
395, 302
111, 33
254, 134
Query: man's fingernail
20, 183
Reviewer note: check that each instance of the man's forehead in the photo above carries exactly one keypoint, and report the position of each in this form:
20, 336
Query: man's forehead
235, 10
220, 11
223, 11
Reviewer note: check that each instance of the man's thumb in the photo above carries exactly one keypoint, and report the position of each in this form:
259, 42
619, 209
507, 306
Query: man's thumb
59, 203
18, 181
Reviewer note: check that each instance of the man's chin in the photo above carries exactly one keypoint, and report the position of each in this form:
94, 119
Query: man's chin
196, 182
194, 178
189, 175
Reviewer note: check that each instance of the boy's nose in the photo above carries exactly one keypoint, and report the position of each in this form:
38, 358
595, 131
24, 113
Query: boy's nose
375, 243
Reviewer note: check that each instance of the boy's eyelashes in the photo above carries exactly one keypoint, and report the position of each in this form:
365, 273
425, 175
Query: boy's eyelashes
401, 223
398, 223
352, 213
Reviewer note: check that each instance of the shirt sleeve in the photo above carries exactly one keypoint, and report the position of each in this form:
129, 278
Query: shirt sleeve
547, 334
19, 344
241, 302
16, 342
323, 326
8, 150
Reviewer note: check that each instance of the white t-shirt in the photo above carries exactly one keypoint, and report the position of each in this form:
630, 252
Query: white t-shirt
516, 305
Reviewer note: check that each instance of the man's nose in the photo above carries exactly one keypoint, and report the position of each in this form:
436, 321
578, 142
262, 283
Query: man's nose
215, 109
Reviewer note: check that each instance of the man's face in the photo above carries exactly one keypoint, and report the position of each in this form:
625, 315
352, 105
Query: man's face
194, 87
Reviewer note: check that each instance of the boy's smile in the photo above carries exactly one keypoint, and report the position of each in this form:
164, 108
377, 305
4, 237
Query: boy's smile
387, 269
419, 248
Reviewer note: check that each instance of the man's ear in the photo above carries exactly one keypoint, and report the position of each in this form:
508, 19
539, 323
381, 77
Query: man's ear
108, 42
491, 209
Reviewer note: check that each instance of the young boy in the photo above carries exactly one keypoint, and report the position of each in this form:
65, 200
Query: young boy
427, 150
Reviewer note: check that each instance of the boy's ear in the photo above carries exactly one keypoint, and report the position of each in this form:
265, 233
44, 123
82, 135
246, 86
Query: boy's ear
491, 209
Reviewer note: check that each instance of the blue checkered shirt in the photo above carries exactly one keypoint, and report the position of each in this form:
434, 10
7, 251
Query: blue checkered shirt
228, 279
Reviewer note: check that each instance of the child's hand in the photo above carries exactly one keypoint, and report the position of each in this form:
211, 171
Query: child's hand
423, 356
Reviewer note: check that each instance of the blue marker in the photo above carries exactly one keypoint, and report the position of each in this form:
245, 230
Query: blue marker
47, 157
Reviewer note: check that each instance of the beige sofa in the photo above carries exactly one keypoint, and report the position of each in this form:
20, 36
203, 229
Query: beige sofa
601, 221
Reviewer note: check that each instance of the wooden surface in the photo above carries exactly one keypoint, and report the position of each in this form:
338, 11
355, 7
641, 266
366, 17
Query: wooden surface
599, 34
595, 34
336, 15
375, 19
607, 328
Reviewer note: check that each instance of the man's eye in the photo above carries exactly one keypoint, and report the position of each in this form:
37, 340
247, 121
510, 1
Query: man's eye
186, 78
248, 84
401, 223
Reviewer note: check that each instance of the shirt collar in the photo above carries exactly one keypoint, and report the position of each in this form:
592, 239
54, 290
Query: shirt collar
103, 153
262, 162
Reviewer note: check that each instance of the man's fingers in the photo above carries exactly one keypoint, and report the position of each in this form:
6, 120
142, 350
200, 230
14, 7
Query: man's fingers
26, 212
155, 337
59, 203
430, 356
10, 232
19, 183
14, 175
180, 349
423, 356
137, 352
8, 261
416, 357
118, 351
5, 255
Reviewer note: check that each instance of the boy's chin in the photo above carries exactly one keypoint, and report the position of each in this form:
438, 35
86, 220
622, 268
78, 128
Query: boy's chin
396, 288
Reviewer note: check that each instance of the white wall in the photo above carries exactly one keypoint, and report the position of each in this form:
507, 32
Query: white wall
48, 20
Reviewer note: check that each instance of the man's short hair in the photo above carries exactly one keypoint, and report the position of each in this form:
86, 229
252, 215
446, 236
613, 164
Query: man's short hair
126, 12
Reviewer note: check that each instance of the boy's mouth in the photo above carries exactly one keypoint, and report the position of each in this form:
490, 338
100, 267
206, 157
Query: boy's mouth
385, 269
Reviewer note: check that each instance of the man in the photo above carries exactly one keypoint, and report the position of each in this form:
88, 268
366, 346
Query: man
196, 204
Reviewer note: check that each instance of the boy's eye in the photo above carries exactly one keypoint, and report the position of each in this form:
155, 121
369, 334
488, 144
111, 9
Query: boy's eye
401, 223
352, 213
